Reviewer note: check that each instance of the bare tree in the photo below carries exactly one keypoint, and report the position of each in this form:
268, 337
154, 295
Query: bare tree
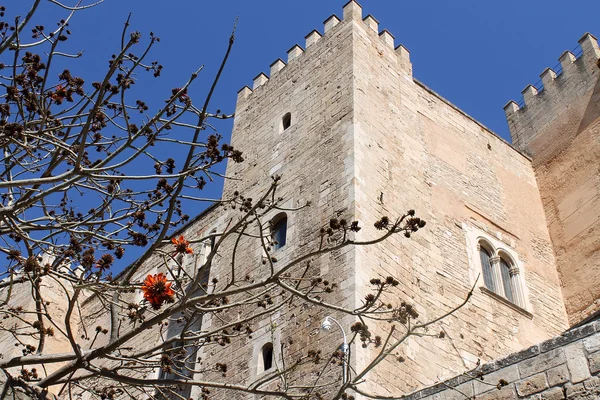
83, 182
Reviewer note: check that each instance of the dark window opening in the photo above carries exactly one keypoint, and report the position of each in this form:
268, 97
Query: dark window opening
267, 356
505, 271
279, 232
213, 239
486, 268
286, 121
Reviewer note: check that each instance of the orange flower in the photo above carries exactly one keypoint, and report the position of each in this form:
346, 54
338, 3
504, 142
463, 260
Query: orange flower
59, 94
182, 246
157, 290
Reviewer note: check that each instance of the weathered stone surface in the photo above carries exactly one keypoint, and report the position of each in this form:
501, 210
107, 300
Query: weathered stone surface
458, 393
567, 337
592, 344
506, 393
592, 383
542, 362
577, 362
490, 381
550, 394
533, 384
558, 375
574, 390
594, 360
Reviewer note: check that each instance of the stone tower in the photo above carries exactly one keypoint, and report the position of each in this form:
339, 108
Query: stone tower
349, 129
558, 125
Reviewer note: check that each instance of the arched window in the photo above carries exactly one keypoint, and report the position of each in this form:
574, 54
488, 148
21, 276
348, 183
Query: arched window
286, 121
500, 274
279, 231
486, 267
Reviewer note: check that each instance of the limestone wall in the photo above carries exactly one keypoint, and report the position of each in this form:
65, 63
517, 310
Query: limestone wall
414, 150
564, 367
560, 127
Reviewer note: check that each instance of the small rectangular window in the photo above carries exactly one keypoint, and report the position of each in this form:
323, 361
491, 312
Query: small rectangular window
286, 121
279, 232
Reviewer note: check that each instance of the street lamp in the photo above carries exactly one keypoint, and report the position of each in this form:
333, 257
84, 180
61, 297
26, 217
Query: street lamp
326, 326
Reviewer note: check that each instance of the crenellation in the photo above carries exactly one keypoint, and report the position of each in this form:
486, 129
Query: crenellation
548, 77
243, 93
589, 46
576, 77
277, 66
387, 37
529, 93
372, 23
330, 22
510, 108
295, 52
352, 11
259, 80
566, 60
312, 38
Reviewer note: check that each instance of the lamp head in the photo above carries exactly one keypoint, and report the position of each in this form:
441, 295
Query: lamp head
326, 325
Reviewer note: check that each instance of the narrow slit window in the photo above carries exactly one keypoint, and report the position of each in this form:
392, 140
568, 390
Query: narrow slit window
267, 356
286, 121
279, 232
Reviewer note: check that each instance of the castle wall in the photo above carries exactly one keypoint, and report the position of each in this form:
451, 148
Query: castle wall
414, 150
560, 127
564, 367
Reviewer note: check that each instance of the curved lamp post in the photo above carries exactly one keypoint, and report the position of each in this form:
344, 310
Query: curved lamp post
326, 326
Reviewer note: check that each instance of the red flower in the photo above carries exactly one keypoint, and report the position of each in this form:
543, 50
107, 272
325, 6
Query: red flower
182, 246
59, 95
157, 290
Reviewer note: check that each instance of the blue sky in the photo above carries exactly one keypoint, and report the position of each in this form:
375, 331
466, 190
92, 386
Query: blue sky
477, 54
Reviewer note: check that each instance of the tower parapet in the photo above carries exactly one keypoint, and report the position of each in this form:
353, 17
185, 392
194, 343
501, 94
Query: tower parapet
352, 11
554, 99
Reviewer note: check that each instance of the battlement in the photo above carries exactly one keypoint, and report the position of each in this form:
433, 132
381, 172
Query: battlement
352, 11
572, 79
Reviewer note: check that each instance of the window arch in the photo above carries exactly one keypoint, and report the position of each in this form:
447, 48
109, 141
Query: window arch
279, 231
500, 273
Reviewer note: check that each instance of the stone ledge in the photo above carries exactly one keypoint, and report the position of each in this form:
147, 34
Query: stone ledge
506, 302
523, 355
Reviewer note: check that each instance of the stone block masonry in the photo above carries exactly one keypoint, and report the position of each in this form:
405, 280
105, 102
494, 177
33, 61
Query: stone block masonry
367, 138
559, 127
564, 367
